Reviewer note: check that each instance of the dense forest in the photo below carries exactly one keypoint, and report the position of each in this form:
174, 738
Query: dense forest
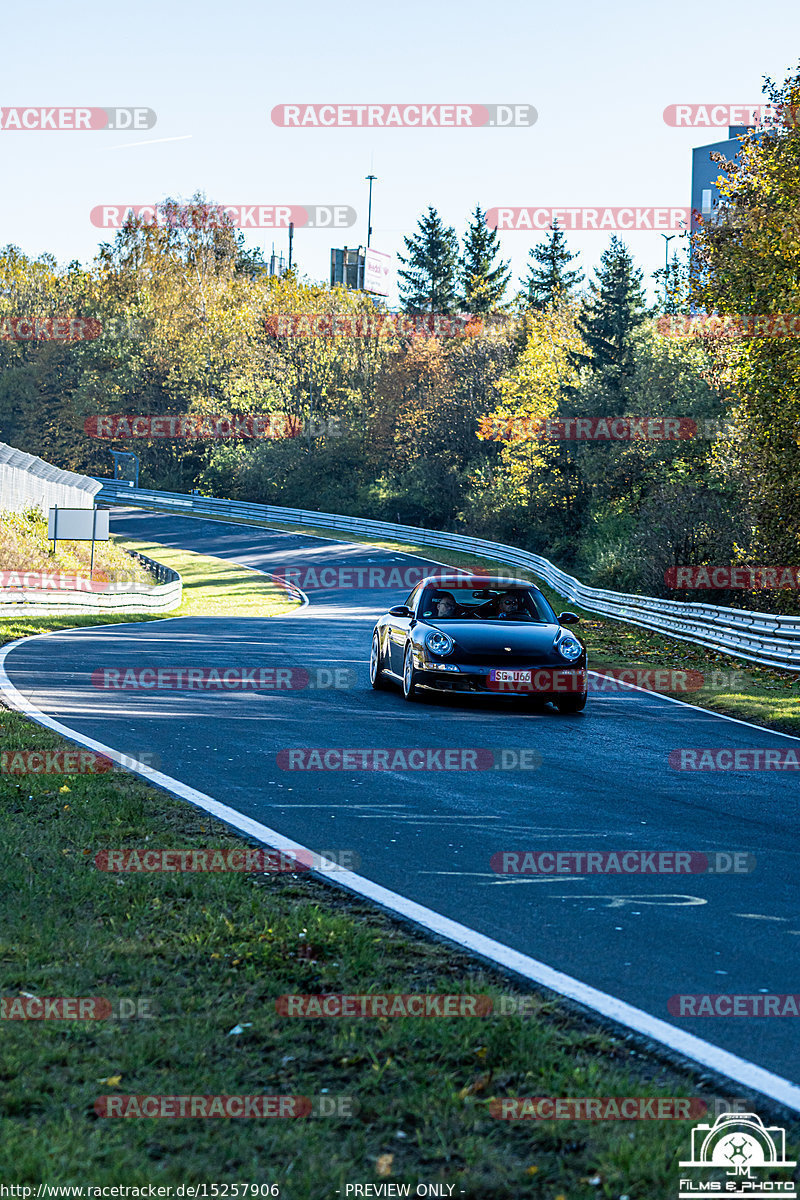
441, 423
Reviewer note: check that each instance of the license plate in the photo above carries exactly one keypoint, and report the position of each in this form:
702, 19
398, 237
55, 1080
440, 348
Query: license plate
510, 676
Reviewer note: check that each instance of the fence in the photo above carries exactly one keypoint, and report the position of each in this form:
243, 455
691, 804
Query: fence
756, 637
29, 482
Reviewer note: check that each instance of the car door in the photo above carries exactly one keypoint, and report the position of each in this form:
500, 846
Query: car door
398, 632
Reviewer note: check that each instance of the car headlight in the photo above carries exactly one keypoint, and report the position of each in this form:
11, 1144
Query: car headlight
570, 648
438, 642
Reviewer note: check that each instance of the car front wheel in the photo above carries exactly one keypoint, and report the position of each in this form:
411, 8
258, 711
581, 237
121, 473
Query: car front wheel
410, 675
571, 704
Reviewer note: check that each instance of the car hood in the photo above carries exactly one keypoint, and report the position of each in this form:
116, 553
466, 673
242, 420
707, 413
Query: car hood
493, 637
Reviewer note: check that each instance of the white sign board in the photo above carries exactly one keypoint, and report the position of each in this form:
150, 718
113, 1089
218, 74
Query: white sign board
78, 524
377, 272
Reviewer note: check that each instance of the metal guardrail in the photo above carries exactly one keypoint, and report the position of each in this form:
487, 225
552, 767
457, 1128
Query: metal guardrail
762, 638
127, 596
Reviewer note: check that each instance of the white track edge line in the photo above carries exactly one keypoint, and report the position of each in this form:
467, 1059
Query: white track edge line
740, 1070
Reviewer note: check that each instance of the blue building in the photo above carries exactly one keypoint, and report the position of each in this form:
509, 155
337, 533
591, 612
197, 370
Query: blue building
705, 193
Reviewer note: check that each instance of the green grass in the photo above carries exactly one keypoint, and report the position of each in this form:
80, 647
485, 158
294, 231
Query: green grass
211, 588
209, 952
24, 546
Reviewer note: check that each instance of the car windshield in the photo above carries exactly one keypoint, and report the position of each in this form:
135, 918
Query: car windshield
486, 604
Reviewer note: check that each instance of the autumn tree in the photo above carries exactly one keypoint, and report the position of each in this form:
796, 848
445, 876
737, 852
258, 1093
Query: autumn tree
747, 263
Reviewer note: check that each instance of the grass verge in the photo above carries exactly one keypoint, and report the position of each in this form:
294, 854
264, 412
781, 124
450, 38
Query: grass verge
207, 954
25, 548
212, 587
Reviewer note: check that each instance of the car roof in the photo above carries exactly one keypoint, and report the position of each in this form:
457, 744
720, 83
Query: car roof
476, 581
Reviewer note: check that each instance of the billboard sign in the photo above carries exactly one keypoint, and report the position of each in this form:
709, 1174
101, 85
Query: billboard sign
377, 272
78, 524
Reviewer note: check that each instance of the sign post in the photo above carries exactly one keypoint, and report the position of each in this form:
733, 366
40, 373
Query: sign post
78, 525
94, 532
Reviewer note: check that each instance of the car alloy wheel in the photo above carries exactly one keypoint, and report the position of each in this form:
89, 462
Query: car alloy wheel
410, 689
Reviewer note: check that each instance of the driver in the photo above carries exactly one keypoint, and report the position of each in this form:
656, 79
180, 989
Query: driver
445, 605
508, 607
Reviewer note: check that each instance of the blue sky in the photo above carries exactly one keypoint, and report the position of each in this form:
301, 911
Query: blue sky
599, 76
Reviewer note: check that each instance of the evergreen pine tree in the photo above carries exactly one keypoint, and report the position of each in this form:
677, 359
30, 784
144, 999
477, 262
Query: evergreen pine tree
483, 284
614, 309
550, 281
430, 281
673, 286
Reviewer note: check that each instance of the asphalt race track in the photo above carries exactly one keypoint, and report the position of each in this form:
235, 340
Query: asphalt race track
604, 783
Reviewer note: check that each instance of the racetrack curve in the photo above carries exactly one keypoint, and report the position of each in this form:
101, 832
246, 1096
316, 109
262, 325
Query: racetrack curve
604, 784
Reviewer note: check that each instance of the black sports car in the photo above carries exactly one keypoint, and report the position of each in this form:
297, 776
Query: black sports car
492, 635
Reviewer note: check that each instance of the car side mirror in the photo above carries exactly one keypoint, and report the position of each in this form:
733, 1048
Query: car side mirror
568, 618
399, 610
